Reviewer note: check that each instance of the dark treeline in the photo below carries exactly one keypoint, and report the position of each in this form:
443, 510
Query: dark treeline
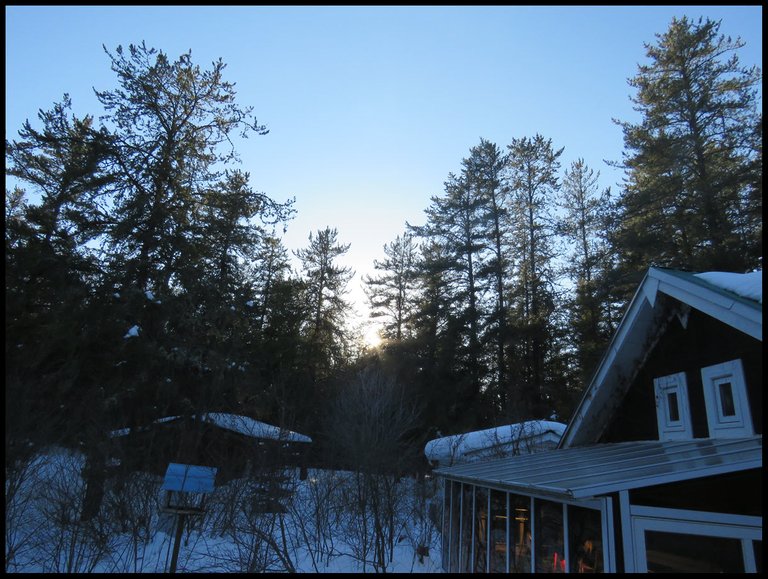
150, 278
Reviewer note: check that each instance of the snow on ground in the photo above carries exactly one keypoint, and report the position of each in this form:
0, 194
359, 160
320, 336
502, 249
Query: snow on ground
321, 531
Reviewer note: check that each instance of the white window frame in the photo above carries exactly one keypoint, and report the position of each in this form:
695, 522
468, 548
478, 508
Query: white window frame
680, 429
741, 527
738, 425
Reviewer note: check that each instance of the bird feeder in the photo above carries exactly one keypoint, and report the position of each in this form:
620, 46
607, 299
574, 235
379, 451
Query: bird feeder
186, 486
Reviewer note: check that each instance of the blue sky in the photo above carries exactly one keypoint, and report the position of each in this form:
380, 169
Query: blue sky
370, 108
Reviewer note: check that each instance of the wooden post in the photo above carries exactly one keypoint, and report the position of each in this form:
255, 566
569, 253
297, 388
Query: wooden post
177, 543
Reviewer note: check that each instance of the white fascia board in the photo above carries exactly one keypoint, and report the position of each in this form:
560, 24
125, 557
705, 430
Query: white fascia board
672, 477
618, 350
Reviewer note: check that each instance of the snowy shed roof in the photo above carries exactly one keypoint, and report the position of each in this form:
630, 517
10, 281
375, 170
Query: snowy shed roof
501, 440
253, 428
236, 423
591, 471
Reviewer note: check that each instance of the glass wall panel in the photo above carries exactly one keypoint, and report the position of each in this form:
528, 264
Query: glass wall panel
455, 522
498, 560
585, 540
519, 534
679, 553
465, 555
548, 543
481, 530
446, 521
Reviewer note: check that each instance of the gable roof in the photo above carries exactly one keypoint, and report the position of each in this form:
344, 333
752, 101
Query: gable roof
733, 299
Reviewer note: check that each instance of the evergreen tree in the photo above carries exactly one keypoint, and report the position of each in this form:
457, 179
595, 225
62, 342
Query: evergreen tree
326, 285
454, 222
532, 172
391, 294
584, 229
690, 192
52, 366
126, 283
484, 172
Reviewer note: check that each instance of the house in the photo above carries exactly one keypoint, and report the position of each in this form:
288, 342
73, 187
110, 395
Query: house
508, 440
660, 467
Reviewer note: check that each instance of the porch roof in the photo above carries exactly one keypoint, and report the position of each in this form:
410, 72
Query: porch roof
590, 471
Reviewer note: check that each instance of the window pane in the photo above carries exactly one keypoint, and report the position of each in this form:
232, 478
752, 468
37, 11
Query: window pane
674, 411
585, 540
481, 529
680, 553
455, 514
520, 534
549, 537
498, 532
446, 522
466, 529
726, 399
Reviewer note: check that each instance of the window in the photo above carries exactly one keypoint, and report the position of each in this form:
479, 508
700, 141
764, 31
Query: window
725, 395
672, 410
519, 534
585, 540
679, 553
549, 541
465, 553
498, 532
455, 525
480, 548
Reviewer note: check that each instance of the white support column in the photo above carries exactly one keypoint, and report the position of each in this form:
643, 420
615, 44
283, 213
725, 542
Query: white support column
626, 533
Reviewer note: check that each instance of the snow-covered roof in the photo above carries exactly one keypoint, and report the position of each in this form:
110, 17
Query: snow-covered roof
746, 285
498, 441
254, 428
236, 423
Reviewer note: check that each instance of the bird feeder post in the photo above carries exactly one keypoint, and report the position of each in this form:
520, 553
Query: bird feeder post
186, 486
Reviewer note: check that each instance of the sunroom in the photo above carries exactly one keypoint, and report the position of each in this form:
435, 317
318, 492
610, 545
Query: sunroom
575, 510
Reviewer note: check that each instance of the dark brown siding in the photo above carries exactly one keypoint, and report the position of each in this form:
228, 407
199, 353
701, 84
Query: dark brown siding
704, 342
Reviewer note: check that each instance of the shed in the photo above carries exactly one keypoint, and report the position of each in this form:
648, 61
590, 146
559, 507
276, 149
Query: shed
236, 445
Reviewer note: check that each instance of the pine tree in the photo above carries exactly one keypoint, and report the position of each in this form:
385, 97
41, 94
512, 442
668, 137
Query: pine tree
52, 366
484, 172
584, 229
454, 223
172, 126
532, 172
391, 294
689, 199
326, 285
